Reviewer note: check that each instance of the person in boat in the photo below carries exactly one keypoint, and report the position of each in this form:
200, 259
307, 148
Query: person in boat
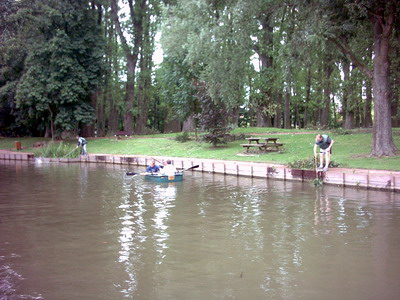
153, 168
325, 143
169, 169
82, 142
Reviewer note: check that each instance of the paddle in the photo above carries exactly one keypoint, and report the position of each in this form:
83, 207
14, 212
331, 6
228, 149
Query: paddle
156, 160
134, 174
194, 167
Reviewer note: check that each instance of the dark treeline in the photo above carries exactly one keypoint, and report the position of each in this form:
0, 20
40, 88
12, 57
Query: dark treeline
69, 66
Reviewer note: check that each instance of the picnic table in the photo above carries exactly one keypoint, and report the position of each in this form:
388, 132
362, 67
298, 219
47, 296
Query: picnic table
266, 144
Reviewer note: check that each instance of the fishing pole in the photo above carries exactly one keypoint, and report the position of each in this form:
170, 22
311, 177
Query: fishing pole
69, 153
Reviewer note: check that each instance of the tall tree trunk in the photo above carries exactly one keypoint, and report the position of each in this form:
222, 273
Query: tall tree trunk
143, 106
113, 118
278, 113
286, 118
47, 133
346, 83
130, 91
308, 95
136, 13
383, 144
107, 114
395, 115
327, 95
261, 118
368, 105
318, 101
233, 117
172, 126
334, 107
266, 65
99, 126
144, 82
351, 100
358, 112
52, 131
101, 121
189, 124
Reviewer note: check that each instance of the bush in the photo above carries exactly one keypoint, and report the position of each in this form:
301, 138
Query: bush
308, 164
341, 131
234, 137
213, 119
184, 137
304, 164
216, 136
57, 150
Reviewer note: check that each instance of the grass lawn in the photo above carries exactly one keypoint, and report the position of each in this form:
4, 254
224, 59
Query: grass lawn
350, 150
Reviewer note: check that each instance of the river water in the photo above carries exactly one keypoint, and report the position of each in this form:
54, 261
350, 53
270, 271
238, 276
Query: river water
87, 231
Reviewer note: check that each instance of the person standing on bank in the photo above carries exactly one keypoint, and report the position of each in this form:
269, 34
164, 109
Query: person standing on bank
325, 143
82, 142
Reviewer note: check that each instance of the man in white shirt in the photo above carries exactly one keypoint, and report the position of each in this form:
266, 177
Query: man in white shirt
169, 169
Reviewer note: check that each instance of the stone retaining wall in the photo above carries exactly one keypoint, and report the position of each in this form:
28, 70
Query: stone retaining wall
371, 179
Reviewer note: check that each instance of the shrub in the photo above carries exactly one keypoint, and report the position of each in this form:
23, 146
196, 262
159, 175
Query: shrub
305, 164
341, 131
59, 150
213, 119
184, 137
308, 164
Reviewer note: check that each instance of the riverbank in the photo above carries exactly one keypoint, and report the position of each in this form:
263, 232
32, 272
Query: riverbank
360, 178
350, 150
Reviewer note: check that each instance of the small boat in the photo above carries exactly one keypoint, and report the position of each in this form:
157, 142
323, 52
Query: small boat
164, 178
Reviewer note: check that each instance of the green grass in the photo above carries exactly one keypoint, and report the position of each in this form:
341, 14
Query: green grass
350, 150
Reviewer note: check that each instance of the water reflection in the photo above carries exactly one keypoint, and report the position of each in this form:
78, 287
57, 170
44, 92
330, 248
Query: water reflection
164, 197
131, 232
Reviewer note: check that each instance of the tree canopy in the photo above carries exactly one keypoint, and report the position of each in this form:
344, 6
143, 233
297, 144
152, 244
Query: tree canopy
62, 53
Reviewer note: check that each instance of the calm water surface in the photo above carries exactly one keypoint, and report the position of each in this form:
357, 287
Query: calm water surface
90, 232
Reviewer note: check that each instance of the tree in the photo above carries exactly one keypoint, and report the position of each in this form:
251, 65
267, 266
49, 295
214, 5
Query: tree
63, 66
137, 13
208, 37
212, 118
12, 56
381, 16
146, 65
175, 83
110, 105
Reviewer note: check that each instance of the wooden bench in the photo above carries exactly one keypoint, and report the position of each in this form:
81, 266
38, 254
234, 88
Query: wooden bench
248, 146
276, 146
269, 145
122, 133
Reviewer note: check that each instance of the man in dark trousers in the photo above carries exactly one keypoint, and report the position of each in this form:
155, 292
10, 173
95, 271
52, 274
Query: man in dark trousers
82, 142
324, 142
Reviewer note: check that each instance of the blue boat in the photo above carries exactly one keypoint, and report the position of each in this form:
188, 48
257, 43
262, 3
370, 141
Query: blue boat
164, 178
